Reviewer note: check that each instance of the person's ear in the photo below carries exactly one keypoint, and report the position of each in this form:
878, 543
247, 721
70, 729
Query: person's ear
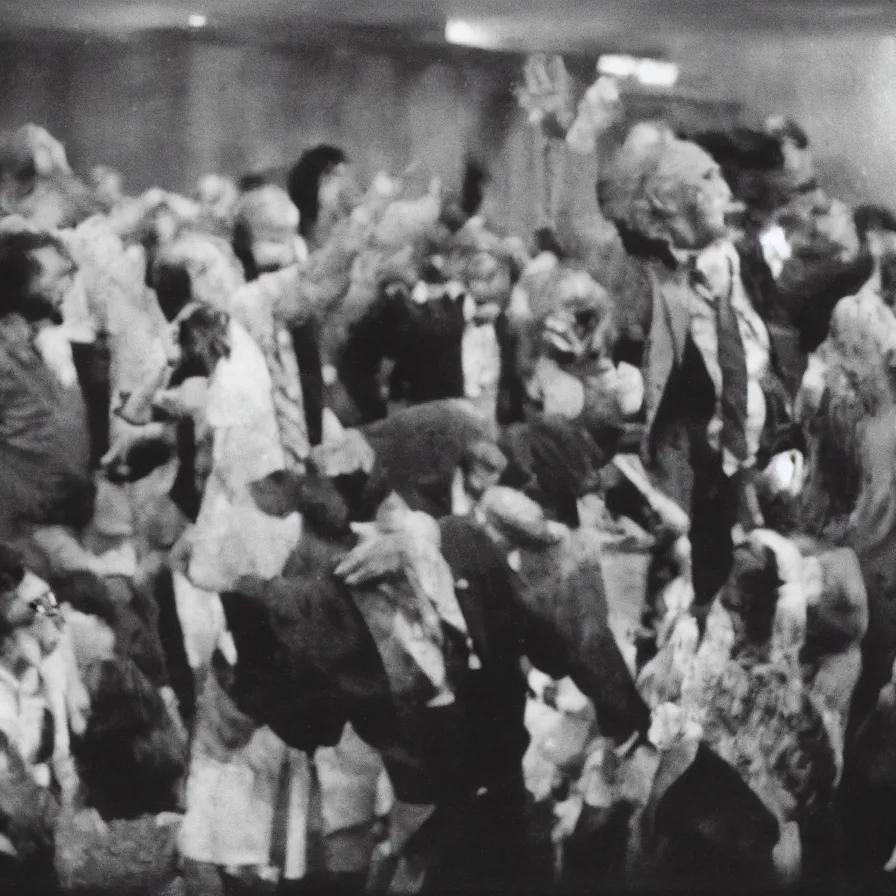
277, 494
660, 207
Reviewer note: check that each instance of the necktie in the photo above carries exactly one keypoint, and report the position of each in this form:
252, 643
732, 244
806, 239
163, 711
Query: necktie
733, 365
288, 403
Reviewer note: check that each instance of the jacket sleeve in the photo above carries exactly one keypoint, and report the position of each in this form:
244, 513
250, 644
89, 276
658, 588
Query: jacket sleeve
306, 663
563, 632
570, 635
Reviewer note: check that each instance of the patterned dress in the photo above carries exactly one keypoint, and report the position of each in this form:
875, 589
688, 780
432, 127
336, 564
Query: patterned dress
750, 706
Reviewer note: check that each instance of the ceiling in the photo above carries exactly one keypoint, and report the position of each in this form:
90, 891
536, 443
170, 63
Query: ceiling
512, 24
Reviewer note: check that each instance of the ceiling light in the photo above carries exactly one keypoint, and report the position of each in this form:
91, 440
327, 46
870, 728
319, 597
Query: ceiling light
649, 72
197, 21
468, 34
657, 74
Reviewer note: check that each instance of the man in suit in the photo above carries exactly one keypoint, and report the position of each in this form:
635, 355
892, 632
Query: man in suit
706, 350
313, 654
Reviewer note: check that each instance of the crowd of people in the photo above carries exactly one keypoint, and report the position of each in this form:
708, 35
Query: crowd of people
608, 510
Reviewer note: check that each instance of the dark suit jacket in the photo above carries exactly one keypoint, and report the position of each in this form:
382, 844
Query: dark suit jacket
308, 664
423, 340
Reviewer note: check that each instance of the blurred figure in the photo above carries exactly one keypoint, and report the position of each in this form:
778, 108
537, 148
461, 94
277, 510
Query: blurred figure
876, 227
217, 198
267, 242
322, 186
44, 439
120, 834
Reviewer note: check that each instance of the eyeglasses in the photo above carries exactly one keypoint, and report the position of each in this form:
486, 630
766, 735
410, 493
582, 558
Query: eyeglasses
44, 604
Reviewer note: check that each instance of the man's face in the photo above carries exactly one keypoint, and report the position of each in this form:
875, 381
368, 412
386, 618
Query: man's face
32, 606
695, 199
488, 280
705, 207
53, 280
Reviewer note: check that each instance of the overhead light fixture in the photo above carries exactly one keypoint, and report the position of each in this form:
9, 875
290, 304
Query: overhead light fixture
197, 20
468, 34
649, 72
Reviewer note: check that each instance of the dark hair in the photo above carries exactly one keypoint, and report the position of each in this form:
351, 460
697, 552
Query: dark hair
473, 187
780, 510
638, 245
546, 241
303, 183
788, 129
252, 181
86, 593
241, 243
323, 507
873, 217
742, 148
12, 572
758, 585
203, 336
18, 267
132, 757
888, 279
172, 284
12, 568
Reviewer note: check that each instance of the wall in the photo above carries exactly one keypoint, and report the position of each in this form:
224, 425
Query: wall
167, 108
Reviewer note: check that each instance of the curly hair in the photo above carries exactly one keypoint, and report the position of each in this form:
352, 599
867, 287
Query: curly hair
132, 758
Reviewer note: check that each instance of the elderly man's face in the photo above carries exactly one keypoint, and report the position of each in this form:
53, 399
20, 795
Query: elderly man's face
692, 198
705, 208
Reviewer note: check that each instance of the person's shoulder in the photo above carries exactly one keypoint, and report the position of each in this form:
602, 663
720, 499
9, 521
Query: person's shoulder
466, 544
